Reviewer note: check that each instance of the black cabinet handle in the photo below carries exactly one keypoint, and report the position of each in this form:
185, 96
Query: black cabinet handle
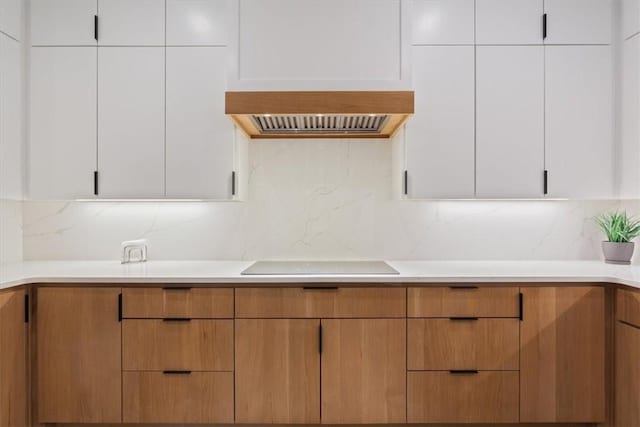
176, 319
119, 307
521, 306
463, 372
463, 287
233, 183
176, 372
544, 26
176, 288
95, 27
545, 182
26, 308
320, 288
463, 319
320, 338
95, 183
405, 189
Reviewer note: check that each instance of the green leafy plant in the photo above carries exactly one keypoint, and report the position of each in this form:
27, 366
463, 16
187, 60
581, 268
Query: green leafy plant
619, 227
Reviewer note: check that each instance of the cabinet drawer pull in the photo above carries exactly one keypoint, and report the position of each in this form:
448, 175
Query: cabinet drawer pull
175, 288
463, 372
176, 319
462, 319
463, 287
176, 372
320, 288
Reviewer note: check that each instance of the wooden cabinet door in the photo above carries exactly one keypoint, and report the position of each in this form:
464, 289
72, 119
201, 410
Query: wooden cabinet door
627, 375
13, 360
277, 371
562, 346
78, 355
363, 371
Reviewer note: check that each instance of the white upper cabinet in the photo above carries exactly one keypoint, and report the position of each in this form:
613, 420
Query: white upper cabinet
629, 157
630, 18
443, 22
293, 41
439, 139
509, 21
579, 129
198, 22
578, 21
200, 138
11, 18
10, 119
63, 22
131, 112
131, 22
510, 121
62, 151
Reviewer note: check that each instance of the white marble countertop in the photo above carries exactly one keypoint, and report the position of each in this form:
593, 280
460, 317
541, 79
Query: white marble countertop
229, 272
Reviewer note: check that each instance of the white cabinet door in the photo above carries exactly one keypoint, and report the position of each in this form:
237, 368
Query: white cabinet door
510, 121
131, 122
630, 18
579, 130
629, 155
199, 135
131, 22
443, 22
63, 22
440, 137
10, 119
509, 21
11, 18
63, 122
198, 22
578, 21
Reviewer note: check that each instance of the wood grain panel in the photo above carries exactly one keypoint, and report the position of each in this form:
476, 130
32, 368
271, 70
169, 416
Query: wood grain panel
200, 397
442, 397
628, 306
316, 303
13, 359
462, 301
201, 303
627, 394
319, 102
157, 345
79, 354
277, 371
363, 371
562, 355
443, 344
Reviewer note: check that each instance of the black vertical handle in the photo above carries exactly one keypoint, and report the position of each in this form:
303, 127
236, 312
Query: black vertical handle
405, 189
26, 308
544, 26
95, 27
520, 306
119, 307
320, 338
546, 182
95, 183
233, 183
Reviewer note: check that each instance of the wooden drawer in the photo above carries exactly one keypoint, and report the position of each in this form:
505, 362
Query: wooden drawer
628, 307
463, 301
443, 397
196, 345
198, 397
177, 302
320, 302
482, 344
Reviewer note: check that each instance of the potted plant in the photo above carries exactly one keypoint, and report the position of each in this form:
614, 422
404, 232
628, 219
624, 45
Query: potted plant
620, 230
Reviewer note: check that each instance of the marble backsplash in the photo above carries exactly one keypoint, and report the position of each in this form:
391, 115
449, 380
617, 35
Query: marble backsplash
10, 231
317, 199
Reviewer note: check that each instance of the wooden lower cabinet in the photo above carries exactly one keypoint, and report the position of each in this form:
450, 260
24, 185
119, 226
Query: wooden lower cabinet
13, 359
562, 355
277, 371
196, 397
627, 395
363, 371
444, 397
78, 355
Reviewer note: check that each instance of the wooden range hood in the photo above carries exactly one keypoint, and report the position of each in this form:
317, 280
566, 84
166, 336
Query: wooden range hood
327, 114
